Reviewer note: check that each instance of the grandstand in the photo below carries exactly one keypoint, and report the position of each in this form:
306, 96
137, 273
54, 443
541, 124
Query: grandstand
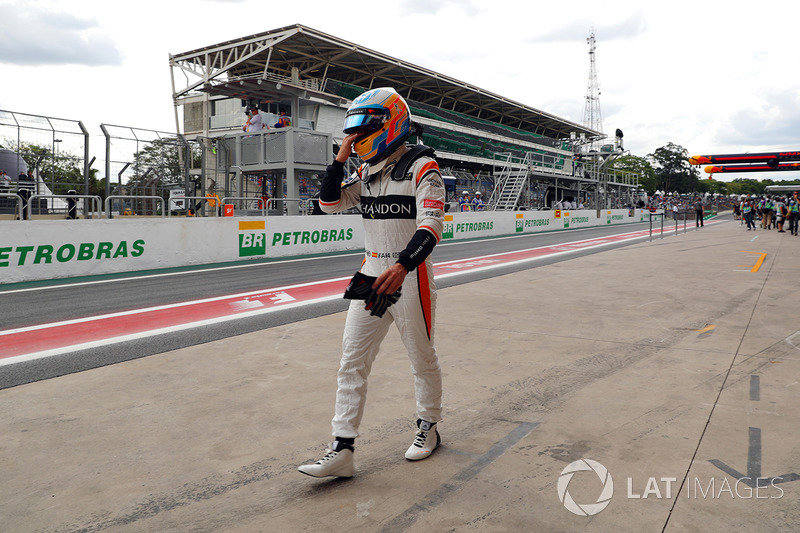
485, 140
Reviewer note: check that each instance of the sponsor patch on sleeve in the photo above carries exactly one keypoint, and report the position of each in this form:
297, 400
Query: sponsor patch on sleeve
434, 204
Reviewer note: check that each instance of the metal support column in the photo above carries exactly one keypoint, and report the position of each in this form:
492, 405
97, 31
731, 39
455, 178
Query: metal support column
292, 186
85, 170
108, 158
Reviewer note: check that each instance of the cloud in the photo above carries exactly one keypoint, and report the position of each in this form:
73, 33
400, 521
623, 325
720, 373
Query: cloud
774, 121
578, 30
433, 7
34, 36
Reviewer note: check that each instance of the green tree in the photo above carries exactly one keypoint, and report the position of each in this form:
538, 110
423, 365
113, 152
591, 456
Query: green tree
712, 186
672, 169
160, 163
161, 159
746, 186
640, 166
61, 172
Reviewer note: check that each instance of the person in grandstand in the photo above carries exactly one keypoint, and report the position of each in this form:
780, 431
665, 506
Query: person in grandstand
464, 203
283, 120
401, 193
254, 120
5, 182
477, 202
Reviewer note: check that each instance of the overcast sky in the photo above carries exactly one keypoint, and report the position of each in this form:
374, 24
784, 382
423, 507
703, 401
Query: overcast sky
712, 77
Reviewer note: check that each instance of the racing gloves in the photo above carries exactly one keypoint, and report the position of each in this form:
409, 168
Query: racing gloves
360, 288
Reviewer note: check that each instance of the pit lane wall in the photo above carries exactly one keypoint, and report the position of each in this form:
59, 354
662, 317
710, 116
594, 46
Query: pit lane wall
50, 249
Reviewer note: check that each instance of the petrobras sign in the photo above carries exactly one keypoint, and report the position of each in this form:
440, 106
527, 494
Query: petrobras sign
559, 219
282, 236
68, 252
582, 219
470, 225
49, 249
535, 221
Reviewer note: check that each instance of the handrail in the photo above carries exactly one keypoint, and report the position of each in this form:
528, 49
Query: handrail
270, 202
656, 214
19, 201
300, 203
107, 202
683, 213
95, 200
203, 198
264, 208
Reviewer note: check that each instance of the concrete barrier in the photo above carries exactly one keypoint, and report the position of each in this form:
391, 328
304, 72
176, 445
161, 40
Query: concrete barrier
49, 249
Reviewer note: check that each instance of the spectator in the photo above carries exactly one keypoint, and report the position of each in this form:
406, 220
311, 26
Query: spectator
25, 181
477, 202
747, 210
794, 214
283, 120
742, 203
464, 202
699, 212
577, 166
5, 182
767, 210
254, 121
760, 211
780, 214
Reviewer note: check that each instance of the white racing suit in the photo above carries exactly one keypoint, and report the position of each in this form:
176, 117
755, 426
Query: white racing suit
403, 221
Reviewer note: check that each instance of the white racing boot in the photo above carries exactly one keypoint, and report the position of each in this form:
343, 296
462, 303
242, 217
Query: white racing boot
338, 462
425, 441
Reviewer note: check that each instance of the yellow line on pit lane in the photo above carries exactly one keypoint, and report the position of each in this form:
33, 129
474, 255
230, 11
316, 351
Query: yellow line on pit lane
758, 263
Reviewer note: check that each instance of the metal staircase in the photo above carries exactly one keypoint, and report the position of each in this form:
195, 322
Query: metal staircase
510, 184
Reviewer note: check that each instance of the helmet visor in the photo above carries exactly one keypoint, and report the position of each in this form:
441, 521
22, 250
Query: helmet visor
364, 120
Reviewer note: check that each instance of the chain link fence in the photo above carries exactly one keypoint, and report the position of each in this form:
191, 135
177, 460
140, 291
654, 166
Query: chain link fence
42, 156
144, 164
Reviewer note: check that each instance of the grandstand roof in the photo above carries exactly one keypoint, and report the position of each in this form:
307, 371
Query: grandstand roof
303, 61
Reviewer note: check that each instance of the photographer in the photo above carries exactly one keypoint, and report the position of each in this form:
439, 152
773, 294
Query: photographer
254, 122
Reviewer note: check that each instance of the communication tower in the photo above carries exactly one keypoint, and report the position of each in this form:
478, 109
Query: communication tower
592, 117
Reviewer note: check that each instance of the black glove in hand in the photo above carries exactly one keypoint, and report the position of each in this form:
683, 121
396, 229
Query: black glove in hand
377, 304
360, 288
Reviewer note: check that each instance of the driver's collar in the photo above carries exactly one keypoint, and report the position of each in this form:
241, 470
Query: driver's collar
392, 159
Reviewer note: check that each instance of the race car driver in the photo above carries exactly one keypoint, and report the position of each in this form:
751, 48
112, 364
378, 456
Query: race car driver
403, 217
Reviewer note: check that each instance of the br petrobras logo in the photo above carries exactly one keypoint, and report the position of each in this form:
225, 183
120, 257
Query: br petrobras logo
252, 238
585, 509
